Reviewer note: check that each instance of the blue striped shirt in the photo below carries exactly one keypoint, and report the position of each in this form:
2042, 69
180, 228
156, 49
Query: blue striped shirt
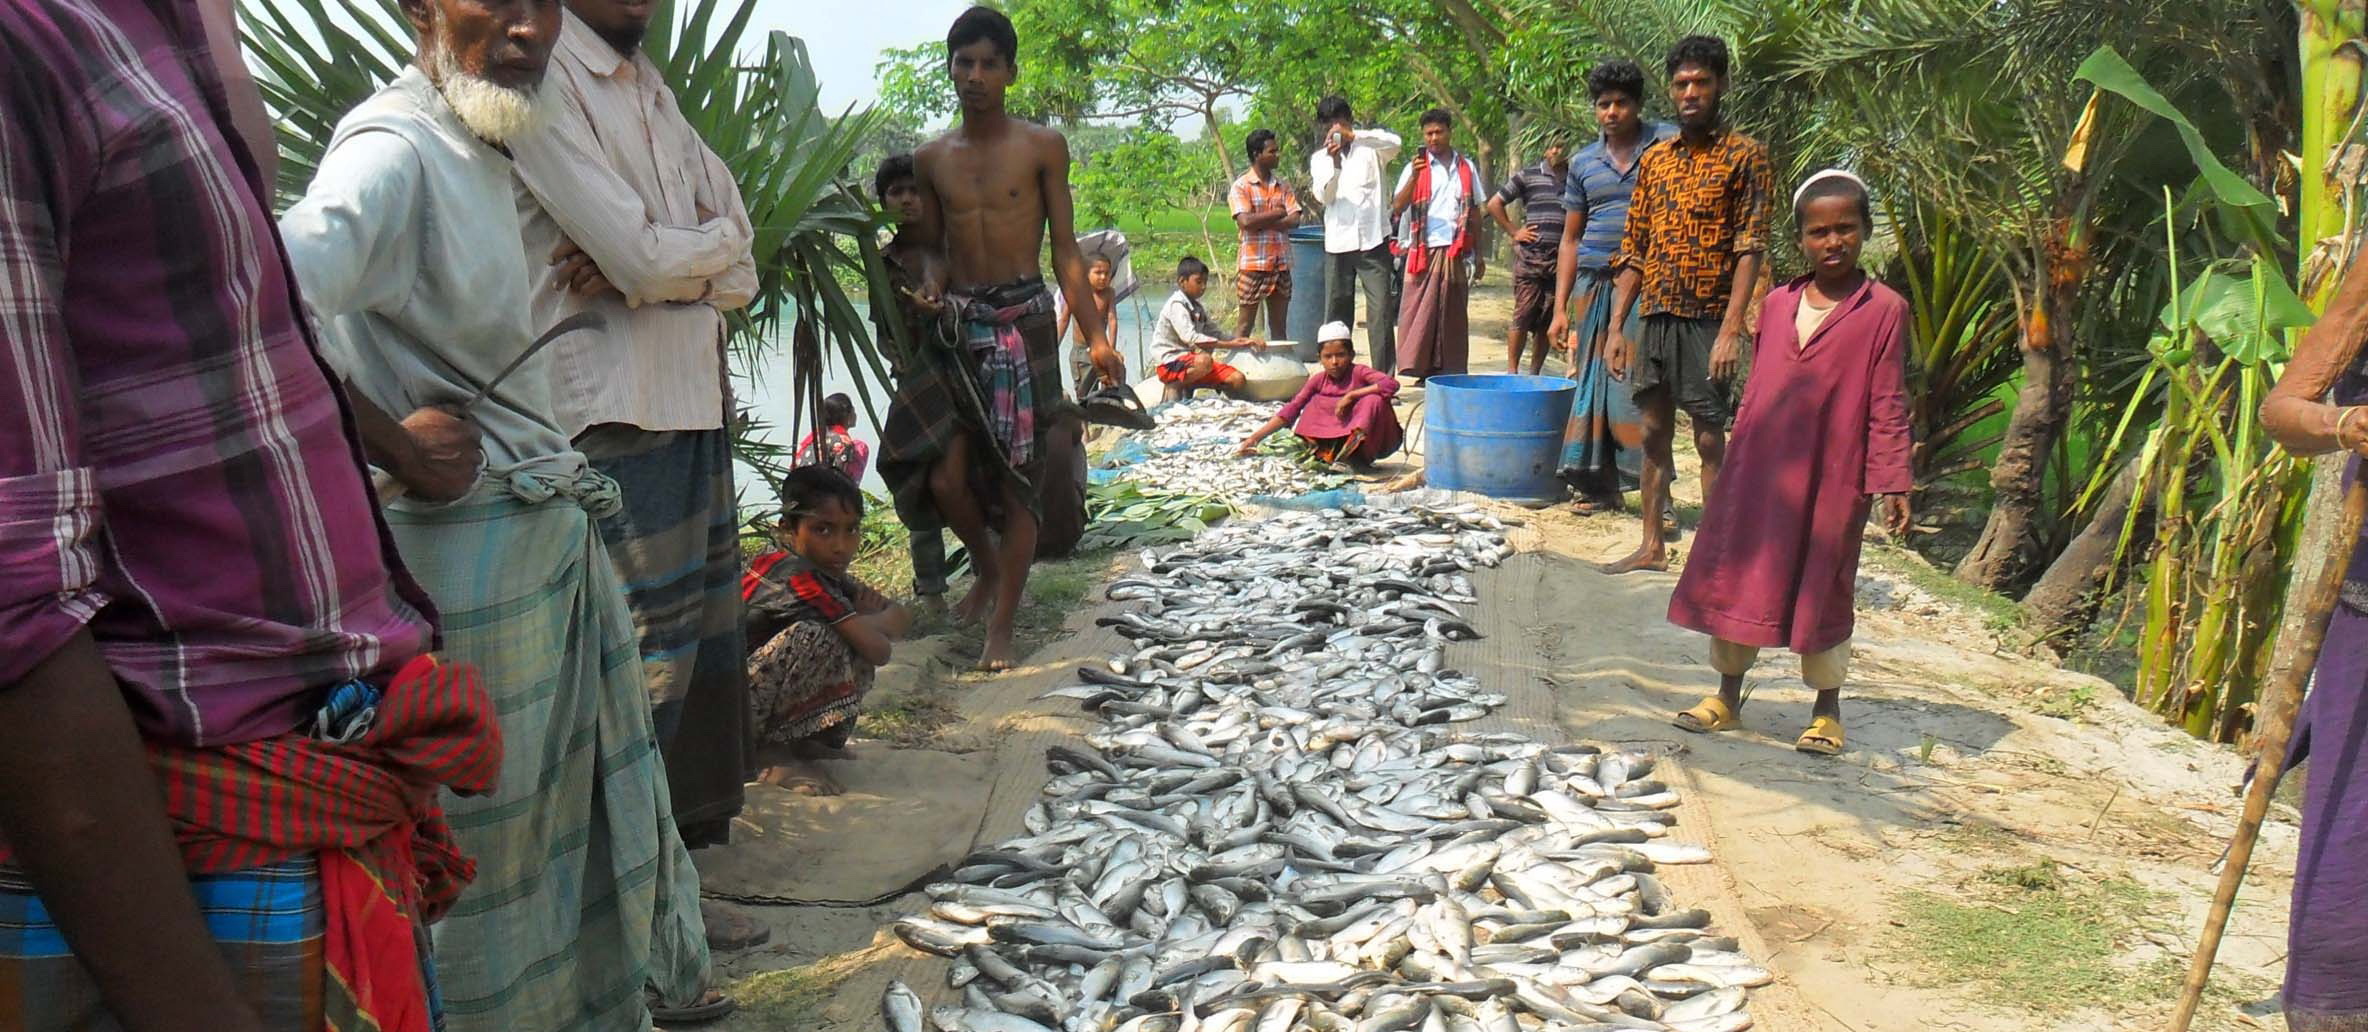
1596, 192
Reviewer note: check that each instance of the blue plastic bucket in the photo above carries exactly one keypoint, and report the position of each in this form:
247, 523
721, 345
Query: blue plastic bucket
1306, 314
1500, 436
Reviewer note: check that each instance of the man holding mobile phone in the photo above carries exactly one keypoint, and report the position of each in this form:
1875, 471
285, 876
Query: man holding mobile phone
1346, 174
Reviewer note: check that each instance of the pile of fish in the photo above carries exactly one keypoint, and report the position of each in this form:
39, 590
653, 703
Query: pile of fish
1279, 825
1192, 450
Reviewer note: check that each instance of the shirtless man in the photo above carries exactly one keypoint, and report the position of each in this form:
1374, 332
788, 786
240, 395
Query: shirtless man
996, 186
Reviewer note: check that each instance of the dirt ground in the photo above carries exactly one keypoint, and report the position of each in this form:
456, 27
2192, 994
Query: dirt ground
2005, 845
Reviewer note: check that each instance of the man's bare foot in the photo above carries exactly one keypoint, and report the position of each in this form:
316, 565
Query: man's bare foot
999, 654
804, 778
977, 603
1644, 559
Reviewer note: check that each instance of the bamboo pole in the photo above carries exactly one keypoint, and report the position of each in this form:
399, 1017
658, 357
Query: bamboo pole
2298, 653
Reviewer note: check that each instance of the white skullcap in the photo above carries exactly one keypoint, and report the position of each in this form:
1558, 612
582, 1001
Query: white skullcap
1831, 173
1334, 330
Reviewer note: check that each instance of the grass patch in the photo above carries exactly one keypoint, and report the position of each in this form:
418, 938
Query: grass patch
2064, 704
909, 718
1998, 613
1063, 585
2034, 936
788, 998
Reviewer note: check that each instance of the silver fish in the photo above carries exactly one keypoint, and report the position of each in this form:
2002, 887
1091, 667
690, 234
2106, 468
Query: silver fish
1282, 819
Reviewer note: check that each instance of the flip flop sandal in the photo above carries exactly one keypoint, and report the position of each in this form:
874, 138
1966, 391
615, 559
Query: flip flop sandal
1708, 716
1117, 406
1823, 738
712, 1005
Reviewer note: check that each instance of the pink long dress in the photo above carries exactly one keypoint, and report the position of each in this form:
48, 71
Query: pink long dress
1314, 413
1823, 427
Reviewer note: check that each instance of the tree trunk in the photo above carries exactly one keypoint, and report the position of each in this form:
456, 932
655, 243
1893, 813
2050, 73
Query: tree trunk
1208, 114
2067, 597
2010, 541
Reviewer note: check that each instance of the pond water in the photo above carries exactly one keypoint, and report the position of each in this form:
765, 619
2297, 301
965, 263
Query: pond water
765, 388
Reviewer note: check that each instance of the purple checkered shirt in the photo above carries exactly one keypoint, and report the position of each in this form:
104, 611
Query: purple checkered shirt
176, 471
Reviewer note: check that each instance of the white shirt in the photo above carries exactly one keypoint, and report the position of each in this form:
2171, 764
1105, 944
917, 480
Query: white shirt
619, 171
1356, 208
1184, 324
407, 247
1448, 198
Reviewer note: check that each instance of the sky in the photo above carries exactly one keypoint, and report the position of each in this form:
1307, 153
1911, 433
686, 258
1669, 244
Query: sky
846, 39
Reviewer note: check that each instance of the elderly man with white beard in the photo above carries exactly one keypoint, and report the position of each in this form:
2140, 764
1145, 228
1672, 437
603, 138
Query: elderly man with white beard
408, 247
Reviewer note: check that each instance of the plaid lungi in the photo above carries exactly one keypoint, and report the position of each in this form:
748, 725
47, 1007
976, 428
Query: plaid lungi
1010, 332
584, 893
676, 543
270, 922
947, 390
1251, 286
1603, 443
935, 400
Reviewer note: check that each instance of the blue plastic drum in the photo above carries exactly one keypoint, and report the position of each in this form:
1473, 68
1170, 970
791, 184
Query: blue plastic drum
1499, 436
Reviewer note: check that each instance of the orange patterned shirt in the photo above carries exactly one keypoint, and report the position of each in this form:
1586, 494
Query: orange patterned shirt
1697, 209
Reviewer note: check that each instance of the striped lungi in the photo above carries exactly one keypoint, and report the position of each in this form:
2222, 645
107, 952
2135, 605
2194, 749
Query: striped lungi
584, 893
270, 922
676, 543
1603, 445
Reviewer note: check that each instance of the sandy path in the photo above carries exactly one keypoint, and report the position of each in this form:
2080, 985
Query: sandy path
1950, 773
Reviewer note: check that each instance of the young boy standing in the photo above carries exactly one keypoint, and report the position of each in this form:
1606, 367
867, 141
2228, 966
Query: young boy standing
1264, 208
1537, 249
997, 188
1186, 339
1101, 274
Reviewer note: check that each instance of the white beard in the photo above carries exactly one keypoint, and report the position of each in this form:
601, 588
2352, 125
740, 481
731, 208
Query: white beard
496, 114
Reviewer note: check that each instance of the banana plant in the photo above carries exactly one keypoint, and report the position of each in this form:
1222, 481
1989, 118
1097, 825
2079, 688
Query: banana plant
2228, 503
756, 103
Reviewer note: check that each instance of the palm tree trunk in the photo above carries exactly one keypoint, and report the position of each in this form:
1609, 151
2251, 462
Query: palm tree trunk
2011, 543
2067, 596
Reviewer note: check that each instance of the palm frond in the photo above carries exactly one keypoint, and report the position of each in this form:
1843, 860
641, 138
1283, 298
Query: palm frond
759, 109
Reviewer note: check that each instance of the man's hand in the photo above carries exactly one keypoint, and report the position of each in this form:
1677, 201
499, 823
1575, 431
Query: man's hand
1479, 270
1106, 361
446, 455
1898, 516
1256, 346
578, 274
1558, 331
1526, 235
924, 300
1726, 358
1618, 353
85, 815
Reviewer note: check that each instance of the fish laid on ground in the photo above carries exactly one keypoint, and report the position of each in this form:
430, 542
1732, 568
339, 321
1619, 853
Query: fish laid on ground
1281, 825
1192, 447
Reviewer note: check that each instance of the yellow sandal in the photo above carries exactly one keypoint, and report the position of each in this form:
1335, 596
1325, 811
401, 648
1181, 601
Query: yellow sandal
1708, 716
1823, 738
